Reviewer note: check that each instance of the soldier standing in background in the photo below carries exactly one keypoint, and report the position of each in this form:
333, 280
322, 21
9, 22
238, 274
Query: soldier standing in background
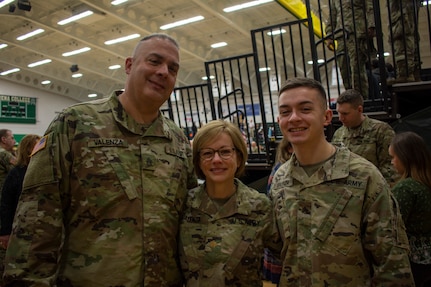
7, 155
352, 24
106, 186
369, 138
404, 36
338, 220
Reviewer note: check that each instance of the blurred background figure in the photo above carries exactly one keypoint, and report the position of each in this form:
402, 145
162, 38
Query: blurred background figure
404, 38
226, 224
365, 136
412, 160
352, 24
7, 154
11, 190
272, 264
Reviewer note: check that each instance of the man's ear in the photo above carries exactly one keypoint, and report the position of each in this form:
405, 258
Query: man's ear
128, 65
328, 117
360, 109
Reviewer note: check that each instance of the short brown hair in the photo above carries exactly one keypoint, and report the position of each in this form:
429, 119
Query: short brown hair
352, 97
209, 132
307, 83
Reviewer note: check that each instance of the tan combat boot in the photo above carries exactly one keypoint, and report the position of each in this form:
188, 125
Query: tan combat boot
403, 75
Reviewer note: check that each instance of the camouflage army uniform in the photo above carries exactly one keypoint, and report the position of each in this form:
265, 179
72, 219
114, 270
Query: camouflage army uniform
7, 160
114, 189
403, 25
224, 247
355, 17
370, 140
6, 164
340, 226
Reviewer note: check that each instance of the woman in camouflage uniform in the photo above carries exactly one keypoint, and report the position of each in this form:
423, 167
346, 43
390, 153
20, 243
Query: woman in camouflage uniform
226, 224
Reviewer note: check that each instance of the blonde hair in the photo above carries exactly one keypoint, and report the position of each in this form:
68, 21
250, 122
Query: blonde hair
210, 132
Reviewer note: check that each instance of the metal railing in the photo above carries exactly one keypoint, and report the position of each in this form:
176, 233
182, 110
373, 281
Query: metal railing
244, 89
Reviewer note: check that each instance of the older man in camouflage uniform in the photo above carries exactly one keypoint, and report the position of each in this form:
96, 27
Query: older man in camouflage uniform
335, 212
352, 24
403, 37
369, 138
106, 185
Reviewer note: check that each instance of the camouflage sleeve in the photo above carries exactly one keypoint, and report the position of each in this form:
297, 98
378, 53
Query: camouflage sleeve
36, 238
331, 22
337, 137
370, 14
385, 134
385, 236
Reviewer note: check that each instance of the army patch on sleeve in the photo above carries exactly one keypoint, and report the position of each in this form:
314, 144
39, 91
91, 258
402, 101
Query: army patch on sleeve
40, 145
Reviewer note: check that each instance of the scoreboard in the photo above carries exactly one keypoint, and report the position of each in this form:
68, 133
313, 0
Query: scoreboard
16, 109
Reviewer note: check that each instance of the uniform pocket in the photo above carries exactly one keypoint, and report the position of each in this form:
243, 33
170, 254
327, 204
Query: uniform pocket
337, 228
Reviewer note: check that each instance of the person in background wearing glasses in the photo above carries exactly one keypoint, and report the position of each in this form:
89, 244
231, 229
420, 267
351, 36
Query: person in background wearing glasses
226, 224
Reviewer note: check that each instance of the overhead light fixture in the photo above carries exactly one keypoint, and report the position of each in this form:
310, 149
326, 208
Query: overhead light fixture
9, 72
76, 17
182, 22
24, 5
122, 39
276, 32
319, 61
245, 5
206, 78
79, 51
425, 3
92, 95
264, 69
46, 82
77, 75
218, 45
118, 2
3, 46
114, 67
38, 63
5, 2
31, 34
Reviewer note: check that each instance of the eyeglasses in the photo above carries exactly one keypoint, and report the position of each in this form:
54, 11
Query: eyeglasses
224, 153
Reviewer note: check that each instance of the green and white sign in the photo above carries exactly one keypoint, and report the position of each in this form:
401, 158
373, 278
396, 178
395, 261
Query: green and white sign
16, 109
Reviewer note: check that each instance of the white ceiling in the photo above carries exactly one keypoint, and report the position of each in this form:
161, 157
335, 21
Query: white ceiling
109, 22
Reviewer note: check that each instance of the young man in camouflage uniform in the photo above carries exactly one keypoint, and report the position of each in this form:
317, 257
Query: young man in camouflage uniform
352, 23
106, 185
335, 212
369, 138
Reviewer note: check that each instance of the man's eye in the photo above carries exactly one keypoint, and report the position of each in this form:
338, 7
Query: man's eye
173, 69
